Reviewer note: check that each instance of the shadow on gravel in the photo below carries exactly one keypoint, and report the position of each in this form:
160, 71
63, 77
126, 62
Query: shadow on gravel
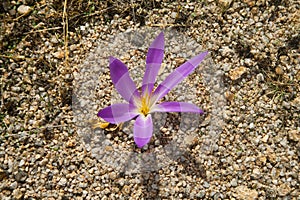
151, 182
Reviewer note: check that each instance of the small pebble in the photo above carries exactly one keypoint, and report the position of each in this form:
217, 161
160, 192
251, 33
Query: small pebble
23, 9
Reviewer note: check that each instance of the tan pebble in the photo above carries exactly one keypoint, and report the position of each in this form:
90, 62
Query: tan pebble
27, 79
71, 143
108, 148
71, 175
189, 139
229, 96
236, 167
296, 102
73, 47
279, 70
262, 159
225, 3
272, 157
179, 61
265, 138
254, 10
256, 173
174, 15
164, 130
284, 189
17, 193
242, 192
22, 9
126, 189
236, 73
250, 2
298, 75
6, 121
128, 17
260, 2
294, 135
59, 54
50, 166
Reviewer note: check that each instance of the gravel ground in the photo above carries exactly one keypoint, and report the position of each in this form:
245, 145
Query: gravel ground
254, 50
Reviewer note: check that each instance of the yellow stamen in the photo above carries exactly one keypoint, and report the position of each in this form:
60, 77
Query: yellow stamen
144, 109
144, 105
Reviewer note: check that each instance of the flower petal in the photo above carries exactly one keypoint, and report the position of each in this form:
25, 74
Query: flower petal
178, 75
177, 107
121, 79
143, 129
117, 113
154, 59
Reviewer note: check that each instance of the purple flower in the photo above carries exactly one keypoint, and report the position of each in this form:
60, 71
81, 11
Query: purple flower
142, 103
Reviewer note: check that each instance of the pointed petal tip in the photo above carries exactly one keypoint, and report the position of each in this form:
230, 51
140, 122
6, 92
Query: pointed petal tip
205, 53
161, 34
159, 42
99, 113
117, 113
111, 59
196, 60
201, 55
141, 142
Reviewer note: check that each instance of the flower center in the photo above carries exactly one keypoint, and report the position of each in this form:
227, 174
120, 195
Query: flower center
144, 108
